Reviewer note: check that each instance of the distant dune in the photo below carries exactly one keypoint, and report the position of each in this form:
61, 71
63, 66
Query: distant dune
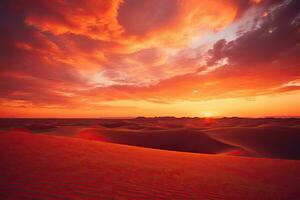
51, 167
261, 137
265, 141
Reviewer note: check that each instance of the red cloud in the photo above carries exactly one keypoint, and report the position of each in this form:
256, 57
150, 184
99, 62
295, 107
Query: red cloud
94, 18
64, 53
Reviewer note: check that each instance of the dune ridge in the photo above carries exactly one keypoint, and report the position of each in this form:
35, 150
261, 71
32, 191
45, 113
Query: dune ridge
265, 141
251, 137
186, 140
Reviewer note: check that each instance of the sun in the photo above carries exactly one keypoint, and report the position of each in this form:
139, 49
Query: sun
207, 114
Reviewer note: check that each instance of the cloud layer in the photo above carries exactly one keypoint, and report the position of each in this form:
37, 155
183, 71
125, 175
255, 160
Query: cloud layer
83, 54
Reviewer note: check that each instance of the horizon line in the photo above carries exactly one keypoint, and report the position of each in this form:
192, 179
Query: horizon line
134, 117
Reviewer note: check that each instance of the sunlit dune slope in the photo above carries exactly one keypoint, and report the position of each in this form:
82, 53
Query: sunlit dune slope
51, 167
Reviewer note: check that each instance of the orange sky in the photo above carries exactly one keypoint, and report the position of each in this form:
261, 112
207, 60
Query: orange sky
128, 58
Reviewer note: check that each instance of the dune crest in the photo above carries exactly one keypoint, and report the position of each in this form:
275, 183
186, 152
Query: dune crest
186, 140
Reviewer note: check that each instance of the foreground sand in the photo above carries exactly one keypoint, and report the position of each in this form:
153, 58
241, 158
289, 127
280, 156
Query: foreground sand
51, 167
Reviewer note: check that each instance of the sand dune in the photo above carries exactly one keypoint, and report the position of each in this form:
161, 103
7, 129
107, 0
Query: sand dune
187, 140
262, 137
266, 141
51, 167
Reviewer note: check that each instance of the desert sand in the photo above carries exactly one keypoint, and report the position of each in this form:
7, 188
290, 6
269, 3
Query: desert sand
156, 158
53, 167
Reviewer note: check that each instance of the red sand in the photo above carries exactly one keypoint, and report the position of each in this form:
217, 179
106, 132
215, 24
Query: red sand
51, 167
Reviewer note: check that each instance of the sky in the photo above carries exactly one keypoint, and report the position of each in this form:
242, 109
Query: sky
127, 58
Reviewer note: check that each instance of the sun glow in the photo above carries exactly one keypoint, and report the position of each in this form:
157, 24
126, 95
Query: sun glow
207, 114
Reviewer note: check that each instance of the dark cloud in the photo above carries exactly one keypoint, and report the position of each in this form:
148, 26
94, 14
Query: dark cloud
28, 70
277, 35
